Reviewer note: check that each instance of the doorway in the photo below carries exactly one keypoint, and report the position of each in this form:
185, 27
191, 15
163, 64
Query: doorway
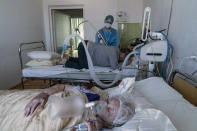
64, 23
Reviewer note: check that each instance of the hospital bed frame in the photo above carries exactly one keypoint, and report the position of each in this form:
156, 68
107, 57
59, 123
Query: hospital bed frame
185, 84
80, 76
183, 75
21, 49
27, 47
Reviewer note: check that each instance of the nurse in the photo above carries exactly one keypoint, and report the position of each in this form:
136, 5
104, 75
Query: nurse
109, 34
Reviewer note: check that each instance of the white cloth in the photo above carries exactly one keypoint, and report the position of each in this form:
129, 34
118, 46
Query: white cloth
148, 120
38, 63
182, 114
47, 71
46, 55
156, 93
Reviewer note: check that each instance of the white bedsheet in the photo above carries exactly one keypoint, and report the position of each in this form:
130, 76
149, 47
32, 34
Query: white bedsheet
156, 93
45, 71
147, 116
182, 114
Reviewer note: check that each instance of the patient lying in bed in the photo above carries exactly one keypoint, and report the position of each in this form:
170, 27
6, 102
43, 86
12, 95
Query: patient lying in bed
101, 55
36, 105
116, 113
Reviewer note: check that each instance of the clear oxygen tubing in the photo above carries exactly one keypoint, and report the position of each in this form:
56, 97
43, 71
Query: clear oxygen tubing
91, 67
134, 49
99, 34
168, 50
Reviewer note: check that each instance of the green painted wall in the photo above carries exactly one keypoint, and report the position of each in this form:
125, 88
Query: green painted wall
129, 32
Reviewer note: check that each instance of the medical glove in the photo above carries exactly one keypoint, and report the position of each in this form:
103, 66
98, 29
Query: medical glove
64, 47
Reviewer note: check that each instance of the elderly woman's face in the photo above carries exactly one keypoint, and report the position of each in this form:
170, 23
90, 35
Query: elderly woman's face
111, 110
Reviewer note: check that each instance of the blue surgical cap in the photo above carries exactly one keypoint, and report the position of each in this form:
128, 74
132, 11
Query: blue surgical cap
109, 18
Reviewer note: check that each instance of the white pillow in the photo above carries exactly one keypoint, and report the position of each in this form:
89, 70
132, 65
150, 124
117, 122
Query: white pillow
46, 55
133, 95
148, 120
40, 62
139, 101
126, 86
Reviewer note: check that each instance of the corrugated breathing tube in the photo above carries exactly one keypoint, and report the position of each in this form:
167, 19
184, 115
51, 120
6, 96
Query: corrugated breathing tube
91, 67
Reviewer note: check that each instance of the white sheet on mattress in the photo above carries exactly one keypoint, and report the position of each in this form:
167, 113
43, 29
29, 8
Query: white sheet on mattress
182, 114
142, 120
45, 71
156, 93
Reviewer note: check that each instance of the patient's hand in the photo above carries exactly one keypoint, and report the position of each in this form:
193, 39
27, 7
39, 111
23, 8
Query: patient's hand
63, 60
38, 101
91, 126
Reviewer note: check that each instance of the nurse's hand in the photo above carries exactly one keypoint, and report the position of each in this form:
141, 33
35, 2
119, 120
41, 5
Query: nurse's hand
38, 101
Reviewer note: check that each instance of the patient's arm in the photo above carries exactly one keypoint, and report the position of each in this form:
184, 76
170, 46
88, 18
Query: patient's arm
41, 99
91, 126
63, 60
55, 89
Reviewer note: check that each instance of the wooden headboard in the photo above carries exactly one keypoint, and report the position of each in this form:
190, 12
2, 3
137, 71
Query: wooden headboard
184, 84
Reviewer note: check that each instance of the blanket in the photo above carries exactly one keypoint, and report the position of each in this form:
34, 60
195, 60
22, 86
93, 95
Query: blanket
12, 104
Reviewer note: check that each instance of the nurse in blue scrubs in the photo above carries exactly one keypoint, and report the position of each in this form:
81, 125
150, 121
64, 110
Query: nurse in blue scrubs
109, 34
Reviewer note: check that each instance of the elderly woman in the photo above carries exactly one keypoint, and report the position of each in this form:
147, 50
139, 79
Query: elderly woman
116, 112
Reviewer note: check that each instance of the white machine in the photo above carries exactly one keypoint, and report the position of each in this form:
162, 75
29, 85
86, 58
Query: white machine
146, 23
154, 50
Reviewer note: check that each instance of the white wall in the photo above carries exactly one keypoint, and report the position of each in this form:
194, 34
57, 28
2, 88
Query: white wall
133, 8
20, 21
182, 31
95, 11
183, 34
160, 13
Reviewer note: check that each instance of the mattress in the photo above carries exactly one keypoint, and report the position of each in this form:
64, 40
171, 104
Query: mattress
147, 117
155, 93
104, 73
182, 114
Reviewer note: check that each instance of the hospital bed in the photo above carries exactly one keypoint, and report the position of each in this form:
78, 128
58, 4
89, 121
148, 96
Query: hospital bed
149, 94
155, 51
66, 74
178, 102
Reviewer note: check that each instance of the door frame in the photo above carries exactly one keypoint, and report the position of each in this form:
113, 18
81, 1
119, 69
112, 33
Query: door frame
51, 20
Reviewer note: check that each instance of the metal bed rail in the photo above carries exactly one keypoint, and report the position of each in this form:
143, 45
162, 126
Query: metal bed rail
41, 45
185, 75
21, 49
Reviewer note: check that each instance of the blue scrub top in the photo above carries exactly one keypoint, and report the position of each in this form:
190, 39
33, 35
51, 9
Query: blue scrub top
111, 37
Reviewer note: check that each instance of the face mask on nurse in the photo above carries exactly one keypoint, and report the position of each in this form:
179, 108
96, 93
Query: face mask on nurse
108, 25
